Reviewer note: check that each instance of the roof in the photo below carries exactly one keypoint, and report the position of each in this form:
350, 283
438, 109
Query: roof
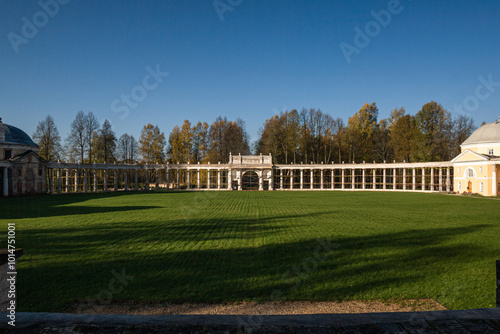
29, 152
488, 133
11, 135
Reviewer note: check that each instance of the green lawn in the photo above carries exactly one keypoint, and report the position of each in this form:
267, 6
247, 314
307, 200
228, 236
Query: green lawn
235, 246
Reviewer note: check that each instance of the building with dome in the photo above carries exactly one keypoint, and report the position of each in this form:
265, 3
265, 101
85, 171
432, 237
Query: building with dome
476, 169
22, 169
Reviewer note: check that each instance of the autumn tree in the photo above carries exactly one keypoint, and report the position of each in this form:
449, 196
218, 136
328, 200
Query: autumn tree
48, 139
361, 129
435, 126
199, 147
152, 144
180, 143
403, 135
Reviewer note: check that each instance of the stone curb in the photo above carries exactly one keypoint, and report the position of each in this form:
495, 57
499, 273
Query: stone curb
30, 319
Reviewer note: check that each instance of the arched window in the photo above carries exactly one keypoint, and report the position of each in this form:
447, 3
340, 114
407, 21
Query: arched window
469, 172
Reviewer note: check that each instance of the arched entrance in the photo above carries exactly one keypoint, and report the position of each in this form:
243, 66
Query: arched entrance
250, 181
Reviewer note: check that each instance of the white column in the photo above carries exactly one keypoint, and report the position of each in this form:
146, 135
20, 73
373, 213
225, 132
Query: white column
423, 179
208, 179
281, 179
414, 179
51, 181
271, 181
494, 182
115, 179
311, 186
440, 178
147, 178
291, 178
240, 180
448, 183
76, 180
404, 178
188, 179
353, 178
364, 178
432, 179
167, 177
332, 179
198, 179
67, 180
157, 178
261, 181
384, 181
301, 179
218, 179
59, 181
6, 182
321, 180
95, 180
85, 181
178, 179
394, 183
229, 180
374, 179
105, 180
343, 178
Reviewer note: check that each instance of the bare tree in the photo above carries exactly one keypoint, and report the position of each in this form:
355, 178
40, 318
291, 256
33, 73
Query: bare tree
76, 142
463, 126
127, 148
91, 128
47, 137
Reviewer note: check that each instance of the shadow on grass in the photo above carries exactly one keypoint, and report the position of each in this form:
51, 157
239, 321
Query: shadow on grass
158, 234
60, 205
410, 264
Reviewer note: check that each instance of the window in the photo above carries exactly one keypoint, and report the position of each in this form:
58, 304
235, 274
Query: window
480, 169
481, 187
459, 185
469, 172
491, 152
7, 154
459, 169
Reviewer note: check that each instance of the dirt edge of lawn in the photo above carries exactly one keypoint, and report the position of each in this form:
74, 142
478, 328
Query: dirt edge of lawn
255, 308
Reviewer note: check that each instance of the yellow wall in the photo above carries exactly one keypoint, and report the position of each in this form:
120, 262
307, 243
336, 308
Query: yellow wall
483, 174
484, 149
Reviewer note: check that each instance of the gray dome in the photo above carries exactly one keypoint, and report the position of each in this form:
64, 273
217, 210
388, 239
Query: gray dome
488, 133
11, 135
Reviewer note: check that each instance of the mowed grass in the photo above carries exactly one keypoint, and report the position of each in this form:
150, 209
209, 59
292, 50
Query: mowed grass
235, 246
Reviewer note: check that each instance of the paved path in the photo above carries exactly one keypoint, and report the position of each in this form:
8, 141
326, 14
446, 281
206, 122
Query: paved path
482, 321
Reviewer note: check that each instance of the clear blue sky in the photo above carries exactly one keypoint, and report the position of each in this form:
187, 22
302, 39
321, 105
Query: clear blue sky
263, 57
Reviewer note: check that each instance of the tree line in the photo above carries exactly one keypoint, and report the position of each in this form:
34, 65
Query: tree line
308, 135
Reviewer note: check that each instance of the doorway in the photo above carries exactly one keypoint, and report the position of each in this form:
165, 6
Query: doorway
250, 181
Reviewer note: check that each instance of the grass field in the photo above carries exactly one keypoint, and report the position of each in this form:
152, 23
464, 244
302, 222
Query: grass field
235, 246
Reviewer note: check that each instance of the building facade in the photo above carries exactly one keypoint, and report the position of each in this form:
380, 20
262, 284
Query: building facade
477, 168
22, 169
474, 170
